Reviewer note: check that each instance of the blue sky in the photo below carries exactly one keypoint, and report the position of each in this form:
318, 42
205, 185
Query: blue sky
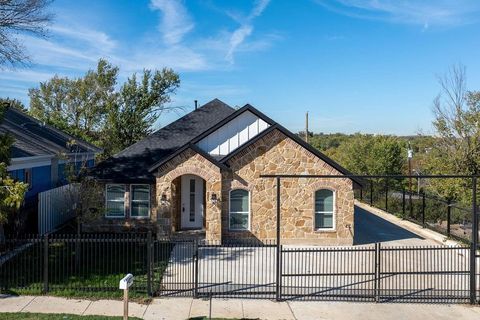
356, 66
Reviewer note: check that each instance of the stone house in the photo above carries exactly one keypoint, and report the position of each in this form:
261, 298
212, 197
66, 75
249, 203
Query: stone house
202, 174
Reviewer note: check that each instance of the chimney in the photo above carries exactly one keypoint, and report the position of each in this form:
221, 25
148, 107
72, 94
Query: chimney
196, 104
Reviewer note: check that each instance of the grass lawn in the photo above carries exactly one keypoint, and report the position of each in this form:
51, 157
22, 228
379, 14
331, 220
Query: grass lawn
91, 268
49, 316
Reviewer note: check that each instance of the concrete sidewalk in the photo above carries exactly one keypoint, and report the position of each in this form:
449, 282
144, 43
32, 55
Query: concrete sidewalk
184, 308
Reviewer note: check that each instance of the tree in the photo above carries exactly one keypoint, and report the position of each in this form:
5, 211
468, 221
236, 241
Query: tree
11, 192
93, 109
20, 16
457, 126
13, 103
139, 105
77, 106
371, 155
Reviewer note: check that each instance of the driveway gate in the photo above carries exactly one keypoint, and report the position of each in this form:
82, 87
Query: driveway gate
369, 273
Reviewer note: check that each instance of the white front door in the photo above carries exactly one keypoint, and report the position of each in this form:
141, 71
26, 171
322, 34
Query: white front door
191, 206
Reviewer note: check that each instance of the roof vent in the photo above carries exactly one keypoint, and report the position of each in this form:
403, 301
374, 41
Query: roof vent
196, 104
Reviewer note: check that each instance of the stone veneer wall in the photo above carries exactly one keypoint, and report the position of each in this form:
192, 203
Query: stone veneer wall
124, 224
277, 154
189, 162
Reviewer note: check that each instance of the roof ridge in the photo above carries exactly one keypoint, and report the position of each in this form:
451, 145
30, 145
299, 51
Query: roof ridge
52, 128
26, 134
171, 124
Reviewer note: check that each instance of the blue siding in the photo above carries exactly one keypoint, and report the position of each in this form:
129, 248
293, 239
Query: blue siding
41, 180
41, 177
18, 175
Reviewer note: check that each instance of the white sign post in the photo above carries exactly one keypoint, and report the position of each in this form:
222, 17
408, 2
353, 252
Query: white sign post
125, 283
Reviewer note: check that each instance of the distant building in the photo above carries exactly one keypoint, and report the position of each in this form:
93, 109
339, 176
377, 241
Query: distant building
39, 157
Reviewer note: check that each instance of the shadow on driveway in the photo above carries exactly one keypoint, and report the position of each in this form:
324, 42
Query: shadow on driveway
370, 228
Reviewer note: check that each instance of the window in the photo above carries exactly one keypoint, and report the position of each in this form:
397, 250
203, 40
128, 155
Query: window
324, 212
115, 198
192, 200
239, 210
27, 176
139, 200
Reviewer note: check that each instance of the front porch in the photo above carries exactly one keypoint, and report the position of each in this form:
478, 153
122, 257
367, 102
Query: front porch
188, 192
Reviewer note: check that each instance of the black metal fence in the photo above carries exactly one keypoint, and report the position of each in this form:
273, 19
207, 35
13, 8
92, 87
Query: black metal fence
90, 264
449, 218
93, 264
396, 274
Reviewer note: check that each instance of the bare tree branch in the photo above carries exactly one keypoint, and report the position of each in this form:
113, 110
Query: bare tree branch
17, 17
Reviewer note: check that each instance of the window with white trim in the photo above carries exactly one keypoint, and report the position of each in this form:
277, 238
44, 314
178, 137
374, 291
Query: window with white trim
115, 200
239, 210
324, 210
139, 200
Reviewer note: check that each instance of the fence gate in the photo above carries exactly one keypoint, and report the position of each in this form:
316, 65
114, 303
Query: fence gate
236, 270
433, 274
329, 273
382, 274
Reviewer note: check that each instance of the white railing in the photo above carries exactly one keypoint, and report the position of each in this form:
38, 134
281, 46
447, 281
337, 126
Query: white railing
56, 206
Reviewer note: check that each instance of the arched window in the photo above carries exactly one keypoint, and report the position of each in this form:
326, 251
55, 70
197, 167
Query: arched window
239, 210
324, 209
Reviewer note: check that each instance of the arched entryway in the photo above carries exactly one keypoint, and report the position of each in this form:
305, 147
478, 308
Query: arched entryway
191, 203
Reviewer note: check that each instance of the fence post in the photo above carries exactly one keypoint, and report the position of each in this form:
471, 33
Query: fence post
149, 263
403, 203
410, 202
449, 211
423, 209
386, 194
45, 263
474, 244
361, 193
377, 271
195, 275
279, 247
371, 192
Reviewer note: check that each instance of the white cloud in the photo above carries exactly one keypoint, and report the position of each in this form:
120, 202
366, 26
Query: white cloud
175, 22
88, 36
74, 46
424, 13
245, 30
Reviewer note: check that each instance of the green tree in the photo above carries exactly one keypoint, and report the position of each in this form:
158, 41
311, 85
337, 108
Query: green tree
12, 192
139, 105
92, 108
79, 106
370, 154
457, 127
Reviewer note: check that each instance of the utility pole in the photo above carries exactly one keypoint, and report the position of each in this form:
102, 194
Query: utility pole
306, 127
410, 156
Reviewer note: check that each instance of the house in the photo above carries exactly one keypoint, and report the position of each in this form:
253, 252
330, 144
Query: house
202, 172
39, 156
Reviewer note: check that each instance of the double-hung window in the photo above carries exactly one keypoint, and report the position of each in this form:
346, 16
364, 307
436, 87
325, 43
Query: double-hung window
139, 200
324, 210
115, 200
239, 210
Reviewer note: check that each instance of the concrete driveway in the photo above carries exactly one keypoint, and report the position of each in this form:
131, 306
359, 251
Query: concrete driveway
371, 228
235, 271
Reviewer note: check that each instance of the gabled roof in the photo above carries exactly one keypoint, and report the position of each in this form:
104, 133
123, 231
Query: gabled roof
273, 126
138, 161
33, 138
132, 163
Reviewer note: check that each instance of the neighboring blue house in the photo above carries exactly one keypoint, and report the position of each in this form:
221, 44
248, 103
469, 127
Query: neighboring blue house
40, 153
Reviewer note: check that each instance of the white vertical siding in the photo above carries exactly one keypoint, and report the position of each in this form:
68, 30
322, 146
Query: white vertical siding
56, 206
233, 134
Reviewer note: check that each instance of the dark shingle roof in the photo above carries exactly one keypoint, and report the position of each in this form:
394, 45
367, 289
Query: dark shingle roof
133, 162
32, 138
